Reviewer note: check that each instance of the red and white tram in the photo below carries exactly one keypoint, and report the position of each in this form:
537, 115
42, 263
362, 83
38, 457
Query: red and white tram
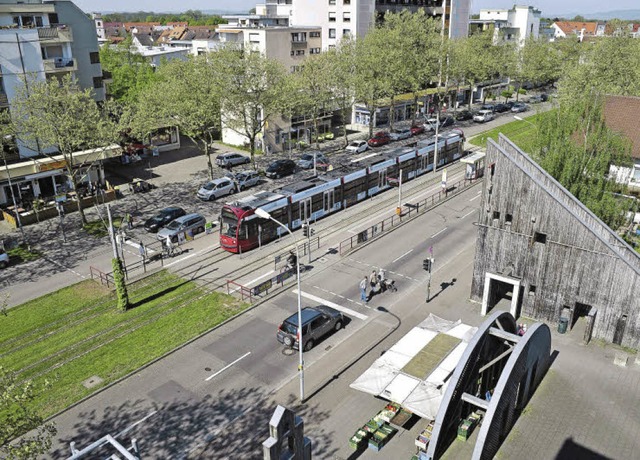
309, 200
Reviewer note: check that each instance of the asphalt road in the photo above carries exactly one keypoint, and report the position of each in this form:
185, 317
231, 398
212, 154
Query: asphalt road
193, 394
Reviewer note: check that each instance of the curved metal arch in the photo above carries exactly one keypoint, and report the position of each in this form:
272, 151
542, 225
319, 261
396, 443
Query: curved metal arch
505, 321
534, 346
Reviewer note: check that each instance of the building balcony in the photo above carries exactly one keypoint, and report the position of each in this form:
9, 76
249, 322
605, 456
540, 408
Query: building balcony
55, 34
4, 100
60, 65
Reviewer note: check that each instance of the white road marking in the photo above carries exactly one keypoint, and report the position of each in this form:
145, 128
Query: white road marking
130, 427
66, 268
468, 214
137, 246
365, 157
227, 366
346, 310
180, 260
476, 197
408, 252
436, 234
248, 283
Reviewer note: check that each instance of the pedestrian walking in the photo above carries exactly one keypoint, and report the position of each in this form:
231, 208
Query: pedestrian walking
130, 222
373, 279
363, 289
141, 248
382, 275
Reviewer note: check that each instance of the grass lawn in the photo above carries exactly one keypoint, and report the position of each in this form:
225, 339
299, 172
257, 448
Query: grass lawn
519, 132
76, 333
21, 254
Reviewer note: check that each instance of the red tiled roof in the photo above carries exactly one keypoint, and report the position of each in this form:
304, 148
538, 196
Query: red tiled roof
571, 27
621, 114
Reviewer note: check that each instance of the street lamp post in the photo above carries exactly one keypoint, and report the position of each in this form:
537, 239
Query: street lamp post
265, 215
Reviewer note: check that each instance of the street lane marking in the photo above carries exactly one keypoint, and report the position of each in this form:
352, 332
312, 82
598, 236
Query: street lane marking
137, 246
227, 366
436, 234
131, 427
248, 283
365, 157
476, 197
346, 310
468, 214
180, 260
408, 252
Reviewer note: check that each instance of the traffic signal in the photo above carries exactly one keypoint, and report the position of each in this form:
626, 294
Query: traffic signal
305, 230
426, 264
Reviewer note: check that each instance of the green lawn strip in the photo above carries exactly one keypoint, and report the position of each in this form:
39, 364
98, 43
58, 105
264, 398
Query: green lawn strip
133, 350
50, 313
22, 254
74, 340
519, 132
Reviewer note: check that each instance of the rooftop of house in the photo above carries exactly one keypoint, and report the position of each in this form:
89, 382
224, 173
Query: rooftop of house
621, 115
572, 27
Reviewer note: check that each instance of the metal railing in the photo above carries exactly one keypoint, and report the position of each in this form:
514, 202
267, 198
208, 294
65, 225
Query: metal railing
106, 279
245, 292
411, 210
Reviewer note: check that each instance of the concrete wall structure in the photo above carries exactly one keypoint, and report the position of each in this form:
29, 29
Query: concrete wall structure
568, 263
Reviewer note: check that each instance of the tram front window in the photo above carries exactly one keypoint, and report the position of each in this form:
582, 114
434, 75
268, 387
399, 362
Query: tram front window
228, 224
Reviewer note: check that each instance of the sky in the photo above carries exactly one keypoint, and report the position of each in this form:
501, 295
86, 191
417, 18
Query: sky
548, 7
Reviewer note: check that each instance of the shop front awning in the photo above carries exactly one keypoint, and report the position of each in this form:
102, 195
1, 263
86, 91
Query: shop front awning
415, 371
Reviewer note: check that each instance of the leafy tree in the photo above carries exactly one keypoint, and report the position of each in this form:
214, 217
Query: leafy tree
56, 117
341, 75
370, 82
18, 417
186, 95
253, 91
576, 148
130, 72
313, 89
475, 58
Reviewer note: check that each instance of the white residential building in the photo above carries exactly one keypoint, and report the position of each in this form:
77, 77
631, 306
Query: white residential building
513, 25
46, 40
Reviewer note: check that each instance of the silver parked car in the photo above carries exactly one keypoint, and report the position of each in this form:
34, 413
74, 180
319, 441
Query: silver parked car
227, 160
217, 188
316, 323
483, 116
190, 223
357, 147
245, 179
399, 134
306, 161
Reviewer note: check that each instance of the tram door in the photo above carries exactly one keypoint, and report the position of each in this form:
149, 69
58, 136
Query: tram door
305, 210
382, 179
328, 200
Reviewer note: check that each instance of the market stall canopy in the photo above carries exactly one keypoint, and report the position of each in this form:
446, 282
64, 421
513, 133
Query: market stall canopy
416, 370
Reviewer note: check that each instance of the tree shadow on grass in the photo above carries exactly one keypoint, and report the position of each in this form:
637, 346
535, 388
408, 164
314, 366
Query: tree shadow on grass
225, 425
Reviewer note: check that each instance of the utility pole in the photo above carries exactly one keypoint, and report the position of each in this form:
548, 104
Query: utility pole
427, 264
118, 274
399, 208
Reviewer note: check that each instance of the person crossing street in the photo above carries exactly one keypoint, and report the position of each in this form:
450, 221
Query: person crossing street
363, 289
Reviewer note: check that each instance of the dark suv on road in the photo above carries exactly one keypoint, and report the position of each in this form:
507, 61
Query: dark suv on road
280, 168
163, 218
316, 323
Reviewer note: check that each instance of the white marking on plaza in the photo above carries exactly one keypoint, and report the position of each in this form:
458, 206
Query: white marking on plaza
227, 366
346, 310
436, 234
406, 253
468, 214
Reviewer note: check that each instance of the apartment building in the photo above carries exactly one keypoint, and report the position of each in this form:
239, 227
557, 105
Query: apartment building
454, 13
45, 40
514, 25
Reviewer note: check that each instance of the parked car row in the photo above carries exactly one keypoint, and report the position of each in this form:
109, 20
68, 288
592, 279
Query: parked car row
171, 221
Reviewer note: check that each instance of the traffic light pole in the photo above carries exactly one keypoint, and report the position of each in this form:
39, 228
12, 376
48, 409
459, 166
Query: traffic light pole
429, 287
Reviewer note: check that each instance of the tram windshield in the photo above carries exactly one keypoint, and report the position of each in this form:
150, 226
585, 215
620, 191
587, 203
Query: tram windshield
228, 223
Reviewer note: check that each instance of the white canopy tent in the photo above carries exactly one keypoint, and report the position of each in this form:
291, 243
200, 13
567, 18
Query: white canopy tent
387, 376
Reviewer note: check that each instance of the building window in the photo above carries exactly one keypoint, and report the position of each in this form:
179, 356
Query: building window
346, 16
94, 57
532, 289
332, 33
346, 32
508, 218
314, 34
293, 53
314, 51
347, 2
299, 37
496, 215
540, 237
332, 16
300, 53
332, 2
331, 47
97, 82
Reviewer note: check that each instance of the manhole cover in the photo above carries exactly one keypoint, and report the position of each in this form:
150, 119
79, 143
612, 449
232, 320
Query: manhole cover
288, 351
92, 381
322, 259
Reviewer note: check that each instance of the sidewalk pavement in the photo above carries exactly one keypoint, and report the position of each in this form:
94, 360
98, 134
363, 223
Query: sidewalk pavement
585, 407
